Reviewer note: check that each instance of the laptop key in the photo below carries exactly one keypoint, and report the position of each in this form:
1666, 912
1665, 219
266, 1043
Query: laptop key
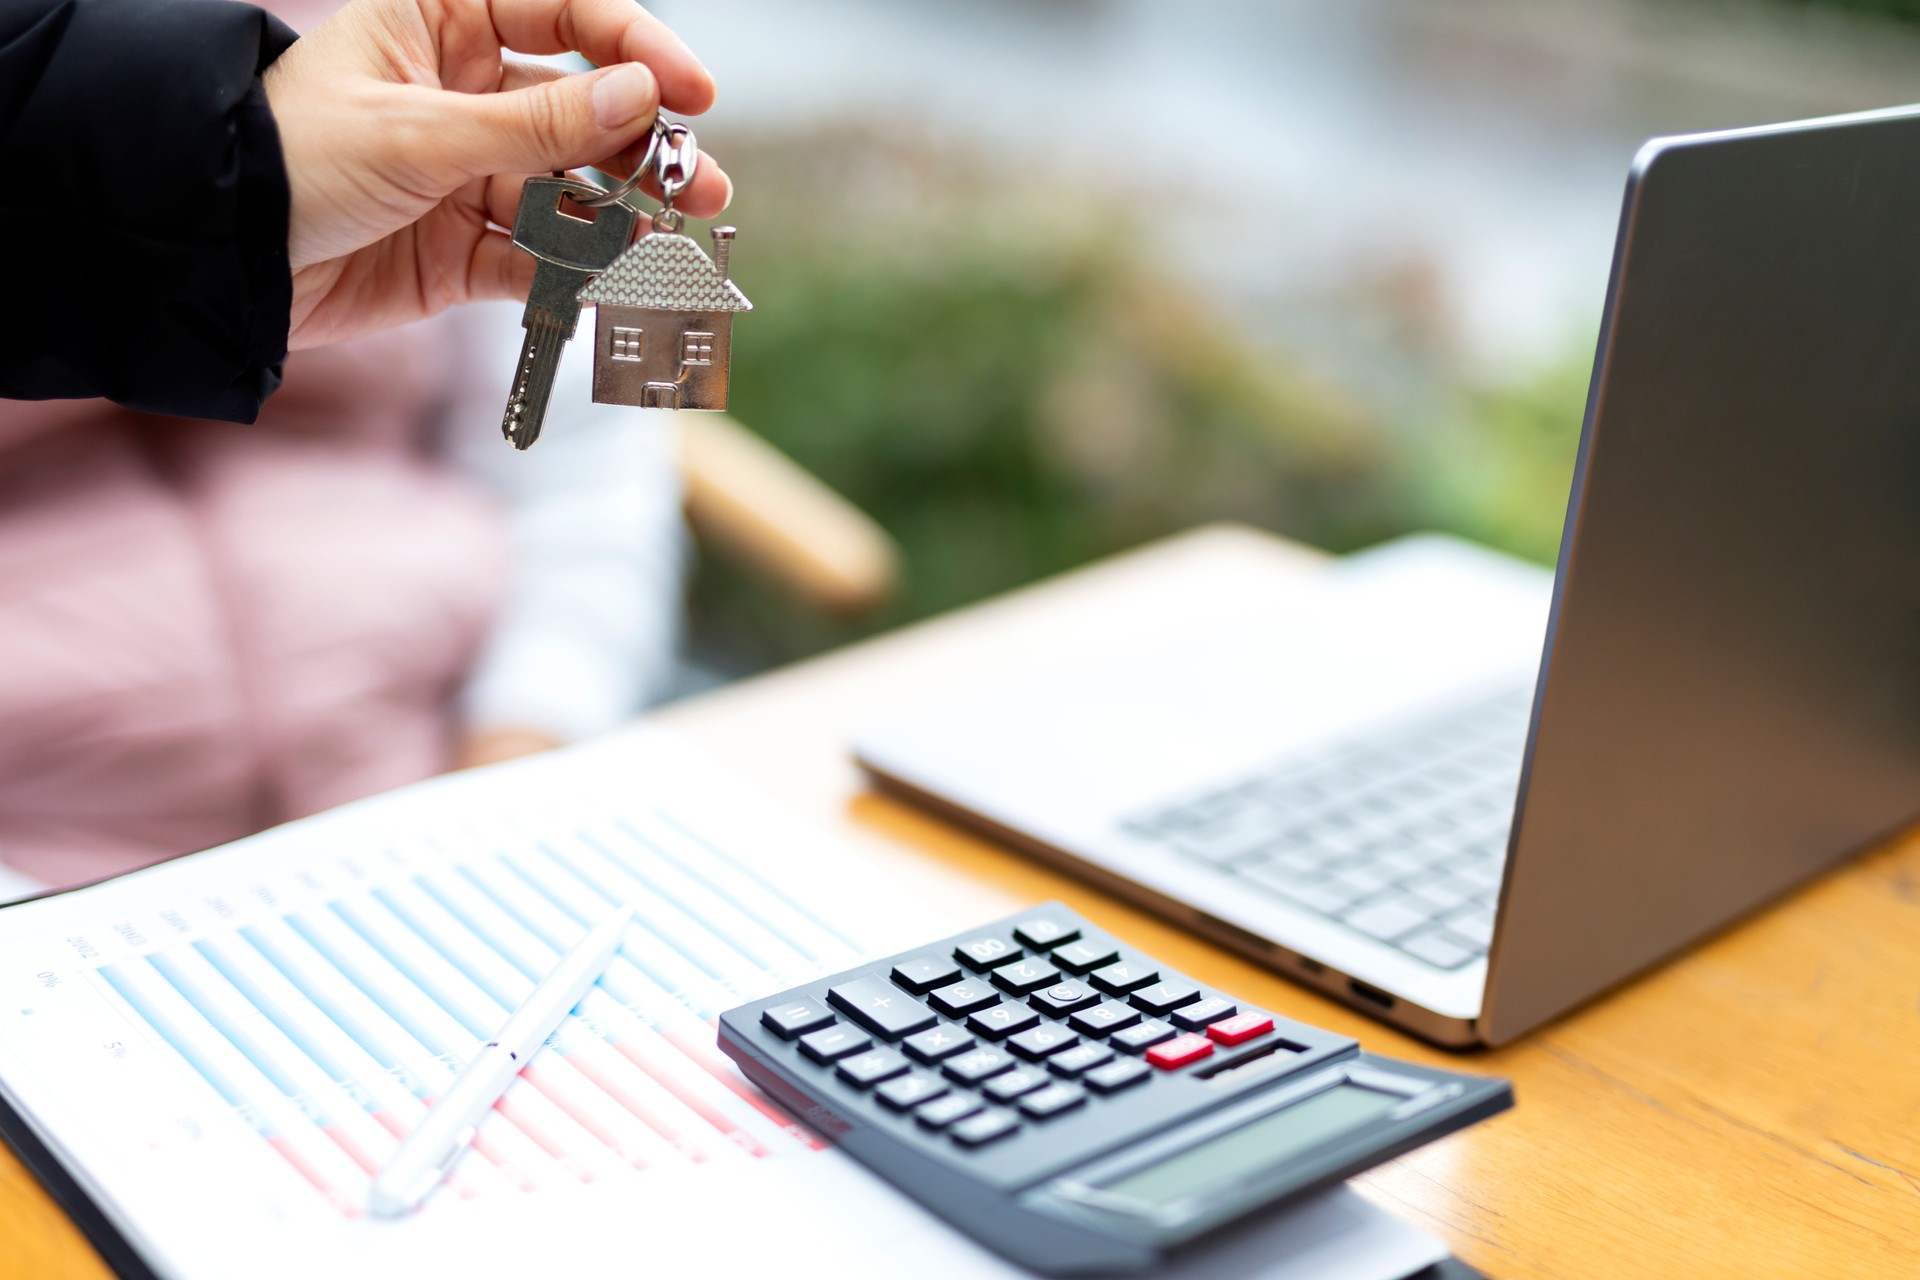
1386, 920
1438, 948
1475, 924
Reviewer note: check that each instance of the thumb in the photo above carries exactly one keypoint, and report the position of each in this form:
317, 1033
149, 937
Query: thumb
559, 124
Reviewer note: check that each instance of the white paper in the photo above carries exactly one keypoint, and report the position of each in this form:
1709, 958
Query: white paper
223, 1048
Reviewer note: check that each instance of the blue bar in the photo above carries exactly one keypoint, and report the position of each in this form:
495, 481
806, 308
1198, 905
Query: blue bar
184, 1047
289, 1027
356, 1030
678, 903
689, 954
798, 908
693, 873
447, 904
507, 1001
249, 1048
435, 992
358, 977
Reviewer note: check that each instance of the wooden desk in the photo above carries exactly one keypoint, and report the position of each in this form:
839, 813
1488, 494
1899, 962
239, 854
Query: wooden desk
1751, 1110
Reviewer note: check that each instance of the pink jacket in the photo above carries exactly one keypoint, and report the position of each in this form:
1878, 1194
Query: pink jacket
208, 628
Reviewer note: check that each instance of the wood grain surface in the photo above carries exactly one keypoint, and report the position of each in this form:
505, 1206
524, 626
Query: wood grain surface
1750, 1110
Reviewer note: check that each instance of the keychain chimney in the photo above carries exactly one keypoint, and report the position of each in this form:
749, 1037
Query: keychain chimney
722, 248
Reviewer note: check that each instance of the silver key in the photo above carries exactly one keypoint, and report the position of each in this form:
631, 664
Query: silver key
568, 251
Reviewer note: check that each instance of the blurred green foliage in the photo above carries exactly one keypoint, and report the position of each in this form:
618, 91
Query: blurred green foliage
1006, 385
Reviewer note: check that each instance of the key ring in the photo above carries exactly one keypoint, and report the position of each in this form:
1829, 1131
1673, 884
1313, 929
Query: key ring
626, 185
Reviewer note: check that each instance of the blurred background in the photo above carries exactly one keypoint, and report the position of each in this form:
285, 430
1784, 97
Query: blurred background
1039, 280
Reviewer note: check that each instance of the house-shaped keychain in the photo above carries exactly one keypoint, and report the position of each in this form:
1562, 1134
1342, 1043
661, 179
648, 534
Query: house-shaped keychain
663, 323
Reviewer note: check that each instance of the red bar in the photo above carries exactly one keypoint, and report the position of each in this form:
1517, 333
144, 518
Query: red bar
517, 1116
355, 1152
693, 1102
293, 1157
1241, 1027
542, 1081
1179, 1051
582, 1062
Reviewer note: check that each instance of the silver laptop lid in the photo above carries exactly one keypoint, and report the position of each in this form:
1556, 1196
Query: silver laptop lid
1731, 696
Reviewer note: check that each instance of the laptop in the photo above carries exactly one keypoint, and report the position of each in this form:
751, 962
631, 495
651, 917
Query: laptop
1465, 795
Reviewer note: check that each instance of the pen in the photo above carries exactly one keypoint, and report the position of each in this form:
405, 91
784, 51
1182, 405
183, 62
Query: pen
437, 1143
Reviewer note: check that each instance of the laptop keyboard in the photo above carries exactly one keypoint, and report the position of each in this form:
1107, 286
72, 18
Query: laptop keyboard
1401, 836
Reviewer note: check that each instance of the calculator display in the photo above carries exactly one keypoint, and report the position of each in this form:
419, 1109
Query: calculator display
1262, 1144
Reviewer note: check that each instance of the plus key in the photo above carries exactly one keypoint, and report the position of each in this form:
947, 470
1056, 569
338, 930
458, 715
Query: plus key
881, 1007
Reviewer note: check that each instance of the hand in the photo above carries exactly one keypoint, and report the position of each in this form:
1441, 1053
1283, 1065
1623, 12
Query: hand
490, 746
406, 135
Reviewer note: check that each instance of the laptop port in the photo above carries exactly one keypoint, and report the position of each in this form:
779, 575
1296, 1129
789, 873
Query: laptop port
1373, 995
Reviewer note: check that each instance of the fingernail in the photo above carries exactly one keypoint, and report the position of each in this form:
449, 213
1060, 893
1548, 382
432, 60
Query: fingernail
622, 95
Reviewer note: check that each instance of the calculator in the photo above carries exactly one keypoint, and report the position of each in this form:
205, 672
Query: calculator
1073, 1103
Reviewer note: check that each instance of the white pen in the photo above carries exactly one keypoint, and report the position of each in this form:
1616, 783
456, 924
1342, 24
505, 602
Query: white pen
437, 1142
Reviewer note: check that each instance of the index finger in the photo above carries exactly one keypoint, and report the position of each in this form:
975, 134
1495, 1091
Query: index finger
606, 32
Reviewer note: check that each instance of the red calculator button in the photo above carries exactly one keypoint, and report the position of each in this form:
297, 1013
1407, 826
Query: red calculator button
1179, 1051
1242, 1028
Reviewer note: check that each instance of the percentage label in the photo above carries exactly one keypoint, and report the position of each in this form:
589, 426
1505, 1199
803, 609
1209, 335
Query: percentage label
48, 978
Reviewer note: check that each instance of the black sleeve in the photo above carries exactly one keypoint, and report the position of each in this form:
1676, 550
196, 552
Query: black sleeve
143, 205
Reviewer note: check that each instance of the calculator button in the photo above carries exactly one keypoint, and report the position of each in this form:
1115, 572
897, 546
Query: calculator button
1078, 1060
1025, 976
1086, 955
1164, 997
937, 1044
942, 1112
1063, 998
879, 1006
908, 1092
923, 973
1051, 1101
1179, 1051
1241, 1027
1198, 1014
963, 997
1116, 1076
1128, 975
1038, 1042
981, 1064
830, 1044
1041, 932
871, 1068
1139, 1039
796, 1018
977, 1131
1002, 1020
1107, 1016
982, 954
1011, 1084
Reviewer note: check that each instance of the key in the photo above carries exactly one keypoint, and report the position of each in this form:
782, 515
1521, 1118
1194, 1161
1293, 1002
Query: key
568, 251
880, 1007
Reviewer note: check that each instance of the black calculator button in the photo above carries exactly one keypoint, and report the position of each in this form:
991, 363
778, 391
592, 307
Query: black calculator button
1079, 1060
880, 1007
1037, 1042
871, 1068
1164, 997
1051, 1101
1025, 976
937, 1044
923, 973
981, 1064
830, 1044
988, 1126
1086, 955
1128, 975
1143, 1037
942, 1112
1063, 998
982, 954
1109, 1015
907, 1092
1116, 1076
1001, 1021
1009, 1085
1197, 1015
1041, 932
963, 997
796, 1018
